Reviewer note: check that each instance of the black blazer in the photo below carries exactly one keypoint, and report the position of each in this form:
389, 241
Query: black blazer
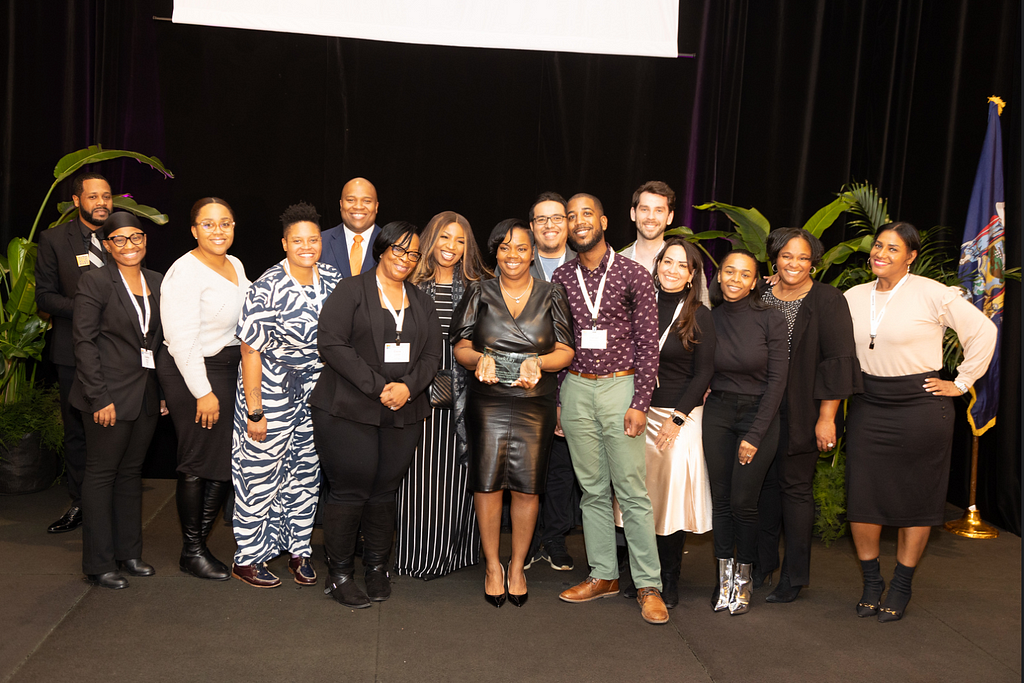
823, 363
351, 344
57, 275
108, 343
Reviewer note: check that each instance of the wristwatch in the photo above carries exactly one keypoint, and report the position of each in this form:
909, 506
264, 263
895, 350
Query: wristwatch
678, 420
256, 415
960, 385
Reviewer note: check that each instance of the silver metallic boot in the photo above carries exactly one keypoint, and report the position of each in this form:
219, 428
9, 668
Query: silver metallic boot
739, 601
723, 589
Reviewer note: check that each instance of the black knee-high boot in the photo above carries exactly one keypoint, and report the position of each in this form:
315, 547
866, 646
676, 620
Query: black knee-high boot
192, 498
670, 552
341, 526
378, 527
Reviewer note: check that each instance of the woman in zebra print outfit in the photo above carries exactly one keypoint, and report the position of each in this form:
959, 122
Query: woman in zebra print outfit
437, 530
274, 465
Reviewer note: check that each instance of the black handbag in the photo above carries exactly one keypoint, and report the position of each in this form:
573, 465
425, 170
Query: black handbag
442, 393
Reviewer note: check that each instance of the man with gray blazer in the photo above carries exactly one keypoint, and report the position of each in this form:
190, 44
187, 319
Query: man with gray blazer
65, 253
561, 500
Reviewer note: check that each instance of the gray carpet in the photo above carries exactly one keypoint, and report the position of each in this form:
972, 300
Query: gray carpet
963, 624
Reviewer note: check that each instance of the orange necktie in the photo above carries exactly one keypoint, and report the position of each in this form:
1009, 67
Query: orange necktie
355, 259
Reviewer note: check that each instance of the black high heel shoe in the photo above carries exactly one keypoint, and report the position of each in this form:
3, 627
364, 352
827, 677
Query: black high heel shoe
496, 600
517, 600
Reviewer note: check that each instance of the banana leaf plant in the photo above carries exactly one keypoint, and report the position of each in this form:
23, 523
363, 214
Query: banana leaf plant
22, 329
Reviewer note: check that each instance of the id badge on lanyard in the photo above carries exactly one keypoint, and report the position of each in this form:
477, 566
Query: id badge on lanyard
397, 352
144, 318
594, 338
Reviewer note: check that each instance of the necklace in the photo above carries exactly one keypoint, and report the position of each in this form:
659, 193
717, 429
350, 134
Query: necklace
513, 296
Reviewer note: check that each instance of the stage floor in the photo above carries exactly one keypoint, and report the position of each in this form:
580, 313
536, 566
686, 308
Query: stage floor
963, 624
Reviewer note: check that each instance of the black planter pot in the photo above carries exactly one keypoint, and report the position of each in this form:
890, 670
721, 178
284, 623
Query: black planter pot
27, 467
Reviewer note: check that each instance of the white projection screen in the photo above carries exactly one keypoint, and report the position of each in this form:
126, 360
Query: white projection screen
645, 28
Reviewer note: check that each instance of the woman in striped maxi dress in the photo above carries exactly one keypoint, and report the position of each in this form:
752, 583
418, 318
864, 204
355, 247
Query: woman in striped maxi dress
274, 465
437, 530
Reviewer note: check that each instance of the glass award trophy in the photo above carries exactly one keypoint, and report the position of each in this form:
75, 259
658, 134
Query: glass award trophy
506, 365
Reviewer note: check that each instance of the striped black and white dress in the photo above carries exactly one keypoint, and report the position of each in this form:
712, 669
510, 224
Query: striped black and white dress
437, 530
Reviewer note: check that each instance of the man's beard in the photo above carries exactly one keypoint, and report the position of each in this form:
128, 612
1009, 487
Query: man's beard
583, 247
87, 216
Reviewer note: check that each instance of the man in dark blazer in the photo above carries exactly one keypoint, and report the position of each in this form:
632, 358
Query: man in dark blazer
561, 499
65, 252
357, 231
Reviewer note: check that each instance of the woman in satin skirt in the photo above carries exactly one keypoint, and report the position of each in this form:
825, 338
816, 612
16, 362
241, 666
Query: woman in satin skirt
513, 333
677, 474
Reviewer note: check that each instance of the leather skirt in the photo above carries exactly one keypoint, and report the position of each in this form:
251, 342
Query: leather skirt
510, 440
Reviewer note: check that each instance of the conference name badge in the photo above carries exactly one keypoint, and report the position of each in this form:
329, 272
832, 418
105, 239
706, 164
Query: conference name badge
147, 359
594, 339
82, 259
396, 353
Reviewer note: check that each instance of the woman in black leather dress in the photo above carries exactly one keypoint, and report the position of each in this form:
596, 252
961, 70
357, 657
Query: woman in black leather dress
511, 421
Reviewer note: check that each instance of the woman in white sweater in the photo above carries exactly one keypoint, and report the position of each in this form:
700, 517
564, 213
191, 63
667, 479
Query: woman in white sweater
204, 293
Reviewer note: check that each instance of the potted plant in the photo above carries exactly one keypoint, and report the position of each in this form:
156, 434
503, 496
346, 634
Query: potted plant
30, 415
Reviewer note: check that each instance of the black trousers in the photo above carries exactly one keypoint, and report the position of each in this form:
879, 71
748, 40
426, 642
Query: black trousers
735, 488
787, 505
112, 492
363, 463
561, 499
74, 435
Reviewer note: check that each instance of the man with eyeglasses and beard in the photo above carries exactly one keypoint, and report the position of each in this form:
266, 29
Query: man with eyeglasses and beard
558, 502
65, 253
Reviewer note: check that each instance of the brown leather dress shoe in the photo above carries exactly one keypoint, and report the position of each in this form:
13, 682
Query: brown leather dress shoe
652, 607
591, 589
302, 569
256, 575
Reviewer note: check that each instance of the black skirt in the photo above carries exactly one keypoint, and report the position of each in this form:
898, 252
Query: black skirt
202, 452
510, 439
900, 441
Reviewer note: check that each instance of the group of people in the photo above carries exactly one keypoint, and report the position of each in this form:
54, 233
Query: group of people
387, 376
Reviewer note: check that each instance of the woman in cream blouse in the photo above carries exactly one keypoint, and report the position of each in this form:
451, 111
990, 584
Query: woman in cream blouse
204, 293
900, 429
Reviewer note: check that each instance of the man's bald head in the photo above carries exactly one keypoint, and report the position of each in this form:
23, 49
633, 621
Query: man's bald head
358, 205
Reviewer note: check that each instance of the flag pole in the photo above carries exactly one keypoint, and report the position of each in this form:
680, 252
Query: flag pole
970, 525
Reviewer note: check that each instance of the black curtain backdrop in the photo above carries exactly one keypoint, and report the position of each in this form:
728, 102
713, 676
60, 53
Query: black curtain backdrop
783, 104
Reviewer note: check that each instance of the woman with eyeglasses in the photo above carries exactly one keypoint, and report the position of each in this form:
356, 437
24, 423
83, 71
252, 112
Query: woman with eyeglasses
116, 333
200, 302
380, 340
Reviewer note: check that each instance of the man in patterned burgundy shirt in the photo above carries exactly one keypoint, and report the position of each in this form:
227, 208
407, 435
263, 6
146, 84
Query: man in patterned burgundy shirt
604, 399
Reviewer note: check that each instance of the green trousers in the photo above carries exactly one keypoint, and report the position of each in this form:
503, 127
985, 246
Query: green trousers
593, 413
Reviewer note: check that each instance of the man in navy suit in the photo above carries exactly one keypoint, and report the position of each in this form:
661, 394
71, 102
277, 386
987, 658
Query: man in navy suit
351, 242
65, 252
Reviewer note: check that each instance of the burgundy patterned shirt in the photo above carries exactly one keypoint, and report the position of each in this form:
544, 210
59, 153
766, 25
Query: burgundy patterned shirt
629, 311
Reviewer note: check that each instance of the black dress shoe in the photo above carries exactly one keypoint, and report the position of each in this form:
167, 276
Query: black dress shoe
137, 567
784, 592
71, 520
111, 580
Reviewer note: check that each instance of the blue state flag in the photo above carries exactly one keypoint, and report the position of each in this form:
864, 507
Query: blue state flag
981, 262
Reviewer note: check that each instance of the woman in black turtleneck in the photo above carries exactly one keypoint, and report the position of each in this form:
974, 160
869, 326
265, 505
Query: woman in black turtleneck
677, 476
741, 423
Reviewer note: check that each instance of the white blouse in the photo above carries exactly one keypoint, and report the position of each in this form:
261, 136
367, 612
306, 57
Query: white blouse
199, 311
909, 339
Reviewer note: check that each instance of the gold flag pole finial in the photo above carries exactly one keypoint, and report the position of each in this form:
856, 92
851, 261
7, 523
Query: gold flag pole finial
999, 102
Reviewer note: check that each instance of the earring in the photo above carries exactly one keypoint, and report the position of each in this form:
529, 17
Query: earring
813, 270
687, 287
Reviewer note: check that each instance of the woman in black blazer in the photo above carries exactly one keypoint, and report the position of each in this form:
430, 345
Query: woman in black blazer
116, 333
823, 370
380, 341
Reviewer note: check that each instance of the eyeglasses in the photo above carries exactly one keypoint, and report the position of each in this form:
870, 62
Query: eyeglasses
210, 226
136, 238
400, 251
541, 221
